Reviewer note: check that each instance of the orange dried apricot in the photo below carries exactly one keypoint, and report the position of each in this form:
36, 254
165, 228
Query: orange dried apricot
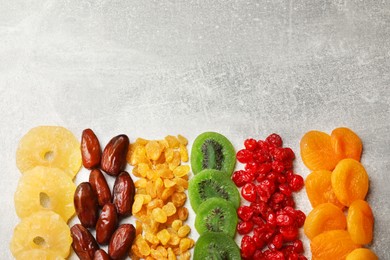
323, 218
346, 144
317, 152
360, 221
349, 181
361, 254
334, 244
319, 188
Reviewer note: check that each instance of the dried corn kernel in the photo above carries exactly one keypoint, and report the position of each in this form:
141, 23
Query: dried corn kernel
183, 231
159, 215
169, 209
164, 236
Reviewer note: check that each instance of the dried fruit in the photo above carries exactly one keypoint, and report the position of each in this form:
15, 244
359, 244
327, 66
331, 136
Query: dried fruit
86, 205
346, 144
334, 244
43, 188
41, 230
360, 222
90, 149
100, 187
114, 155
317, 152
123, 194
101, 255
121, 241
84, 244
106, 224
323, 218
349, 181
50, 146
361, 254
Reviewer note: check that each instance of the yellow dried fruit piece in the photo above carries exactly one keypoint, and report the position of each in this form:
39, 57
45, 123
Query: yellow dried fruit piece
163, 236
162, 251
143, 247
169, 183
135, 251
165, 173
182, 140
174, 240
169, 154
171, 254
159, 215
177, 224
182, 213
183, 153
42, 230
41, 254
181, 171
140, 183
169, 209
138, 227
185, 244
172, 141
137, 205
179, 198
185, 256
143, 169
175, 161
139, 155
183, 231
153, 150
50, 146
362, 254
167, 193
43, 188
360, 222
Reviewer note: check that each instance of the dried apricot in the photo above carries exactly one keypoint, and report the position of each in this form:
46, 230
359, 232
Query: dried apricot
323, 218
349, 181
317, 152
360, 221
346, 144
319, 188
361, 254
334, 244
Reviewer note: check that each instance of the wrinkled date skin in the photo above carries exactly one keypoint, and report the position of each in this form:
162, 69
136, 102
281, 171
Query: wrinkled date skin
123, 194
101, 255
106, 224
121, 241
114, 155
83, 243
90, 149
86, 205
100, 187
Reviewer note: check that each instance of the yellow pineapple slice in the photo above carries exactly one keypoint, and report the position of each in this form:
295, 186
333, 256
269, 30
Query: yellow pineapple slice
40, 254
52, 146
44, 188
42, 230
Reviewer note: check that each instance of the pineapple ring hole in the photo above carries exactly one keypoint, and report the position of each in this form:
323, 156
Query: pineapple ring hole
39, 241
44, 200
49, 156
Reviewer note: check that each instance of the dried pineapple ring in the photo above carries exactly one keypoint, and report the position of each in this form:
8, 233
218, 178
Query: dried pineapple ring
52, 146
44, 188
42, 230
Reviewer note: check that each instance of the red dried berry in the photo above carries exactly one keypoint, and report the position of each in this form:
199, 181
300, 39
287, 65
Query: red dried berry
244, 156
289, 233
248, 247
244, 227
297, 246
250, 144
275, 140
248, 192
296, 182
238, 178
245, 212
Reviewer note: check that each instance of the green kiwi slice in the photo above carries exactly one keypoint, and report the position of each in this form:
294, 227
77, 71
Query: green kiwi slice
212, 151
216, 215
216, 246
212, 183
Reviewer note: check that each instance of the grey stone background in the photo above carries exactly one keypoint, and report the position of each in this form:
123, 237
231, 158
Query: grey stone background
242, 68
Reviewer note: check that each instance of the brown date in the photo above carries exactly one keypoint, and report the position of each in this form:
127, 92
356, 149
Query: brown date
90, 149
106, 224
121, 241
100, 187
101, 255
114, 155
86, 204
123, 194
83, 243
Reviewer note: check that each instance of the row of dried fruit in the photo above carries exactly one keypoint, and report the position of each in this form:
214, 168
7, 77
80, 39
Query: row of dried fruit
338, 185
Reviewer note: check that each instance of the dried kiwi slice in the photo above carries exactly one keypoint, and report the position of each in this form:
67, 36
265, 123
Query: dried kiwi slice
212, 151
212, 183
216, 215
216, 246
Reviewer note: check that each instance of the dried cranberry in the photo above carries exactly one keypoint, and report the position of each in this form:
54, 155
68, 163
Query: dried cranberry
296, 182
289, 233
245, 213
260, 208
289, 153
244, 227
277, 242
274, 255
285, 189
248, 246
275, 140
248, 192
244, 156
250, 144
252, 166
263, 145
264, 168
284, 220
260, 157
238, 178
258, 255
271, 219
300, 218
297, 246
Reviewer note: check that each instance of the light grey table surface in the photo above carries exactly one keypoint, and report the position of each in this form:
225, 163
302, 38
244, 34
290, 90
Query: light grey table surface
242, 68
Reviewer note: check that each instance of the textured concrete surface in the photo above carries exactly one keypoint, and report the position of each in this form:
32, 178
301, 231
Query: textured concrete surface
243, 68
